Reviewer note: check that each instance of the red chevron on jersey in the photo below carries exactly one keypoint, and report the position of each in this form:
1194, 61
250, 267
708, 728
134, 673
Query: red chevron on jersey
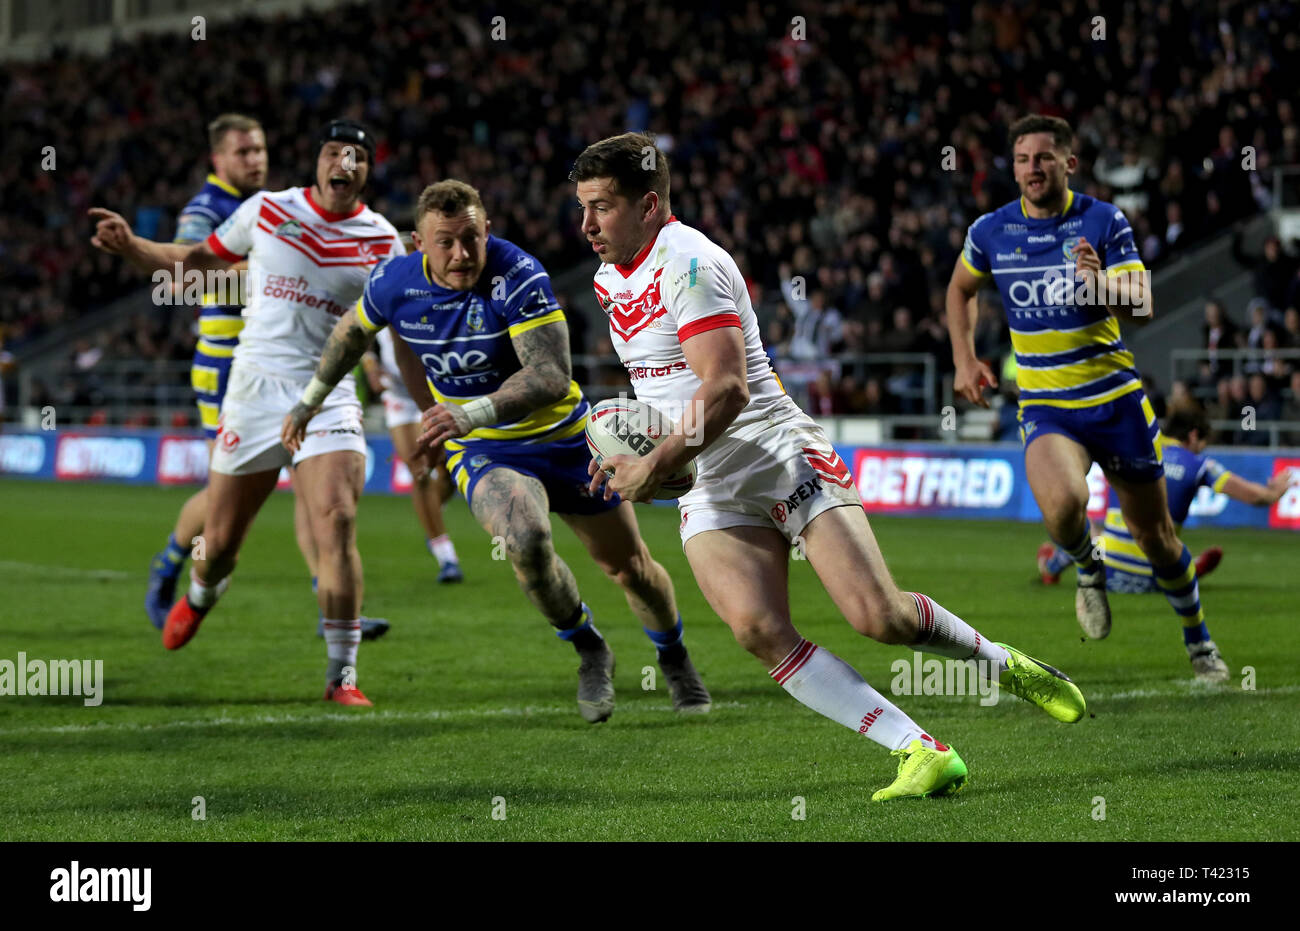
630, 318
834, 469
349, 250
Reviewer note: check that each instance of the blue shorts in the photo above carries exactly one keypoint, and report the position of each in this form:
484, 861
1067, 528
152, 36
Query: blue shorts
561, 467
1121, 435
209, 376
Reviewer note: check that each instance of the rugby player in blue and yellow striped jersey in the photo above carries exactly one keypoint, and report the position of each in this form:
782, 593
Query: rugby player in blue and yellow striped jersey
1187, 470
239, 165
1068, 270
479, 313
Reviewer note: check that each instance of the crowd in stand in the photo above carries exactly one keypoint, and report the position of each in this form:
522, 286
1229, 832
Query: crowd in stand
814, 148
1251, 371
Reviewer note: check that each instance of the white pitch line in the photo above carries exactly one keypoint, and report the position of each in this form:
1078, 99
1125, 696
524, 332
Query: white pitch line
1190, 690
351, 718
110, 575
1195, 689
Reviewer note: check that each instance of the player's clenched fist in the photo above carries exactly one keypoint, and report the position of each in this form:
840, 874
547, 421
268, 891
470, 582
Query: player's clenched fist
970, 379
112, 232
1087, 263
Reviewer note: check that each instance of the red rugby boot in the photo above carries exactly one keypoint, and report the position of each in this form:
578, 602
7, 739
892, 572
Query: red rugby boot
182, 624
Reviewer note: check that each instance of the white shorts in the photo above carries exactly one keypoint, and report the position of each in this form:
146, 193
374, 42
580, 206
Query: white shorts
399, 409
778, 473
252, 416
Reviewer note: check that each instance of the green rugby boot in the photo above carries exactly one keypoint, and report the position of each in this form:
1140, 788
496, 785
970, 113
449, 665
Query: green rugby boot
923, 773
1042, 685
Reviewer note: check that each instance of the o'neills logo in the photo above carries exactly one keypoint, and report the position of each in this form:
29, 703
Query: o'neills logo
103, 884
869, 719
53, 677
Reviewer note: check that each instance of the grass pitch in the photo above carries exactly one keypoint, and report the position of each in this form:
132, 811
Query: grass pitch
475, 713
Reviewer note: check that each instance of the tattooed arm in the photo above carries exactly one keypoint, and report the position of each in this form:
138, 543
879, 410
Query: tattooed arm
344, 349
543, 379
545, 374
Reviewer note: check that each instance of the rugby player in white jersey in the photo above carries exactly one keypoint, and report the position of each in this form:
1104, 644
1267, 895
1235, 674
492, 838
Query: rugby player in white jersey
239, 164
681, 320
309, 252
431, 486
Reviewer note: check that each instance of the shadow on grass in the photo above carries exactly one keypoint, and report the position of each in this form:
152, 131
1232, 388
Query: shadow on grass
1086, 781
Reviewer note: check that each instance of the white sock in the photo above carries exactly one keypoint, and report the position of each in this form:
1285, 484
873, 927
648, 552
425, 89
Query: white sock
442, 549
828, 685
205, 596
341, 641
945, 634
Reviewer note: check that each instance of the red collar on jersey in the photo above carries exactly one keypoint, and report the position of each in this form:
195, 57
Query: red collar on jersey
326, 215
627, 270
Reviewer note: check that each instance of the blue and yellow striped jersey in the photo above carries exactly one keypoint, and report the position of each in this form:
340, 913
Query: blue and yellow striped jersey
219, 324
1185, 473
1068, 352
464, 337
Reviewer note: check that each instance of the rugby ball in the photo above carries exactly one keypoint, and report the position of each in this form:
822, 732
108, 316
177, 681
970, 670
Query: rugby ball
626, 426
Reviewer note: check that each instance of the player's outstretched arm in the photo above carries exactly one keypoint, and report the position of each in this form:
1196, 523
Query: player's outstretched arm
113, 235
1253, 493
717, 357
343, 350
972, 374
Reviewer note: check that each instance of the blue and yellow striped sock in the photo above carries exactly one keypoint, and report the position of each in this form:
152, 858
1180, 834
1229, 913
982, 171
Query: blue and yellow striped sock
579, 630
173, 557
1058, 561
1081, 551
1178, 582
668, 642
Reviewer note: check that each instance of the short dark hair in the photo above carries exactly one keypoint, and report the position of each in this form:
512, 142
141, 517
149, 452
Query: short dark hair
632, 160
1062, 134
1185, 418
229, 123
449, 198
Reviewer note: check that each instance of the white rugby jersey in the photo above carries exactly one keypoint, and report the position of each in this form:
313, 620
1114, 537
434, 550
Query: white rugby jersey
306, 268
680, 285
